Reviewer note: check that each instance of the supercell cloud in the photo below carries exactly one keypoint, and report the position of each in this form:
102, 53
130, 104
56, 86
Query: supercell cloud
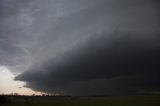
82, 47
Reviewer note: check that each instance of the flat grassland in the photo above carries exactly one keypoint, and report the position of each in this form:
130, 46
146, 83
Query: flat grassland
85, 101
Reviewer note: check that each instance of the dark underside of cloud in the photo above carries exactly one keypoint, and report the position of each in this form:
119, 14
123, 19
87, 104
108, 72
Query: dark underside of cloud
82, 47
115, 65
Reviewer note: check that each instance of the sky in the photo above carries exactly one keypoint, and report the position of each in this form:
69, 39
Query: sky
79, 47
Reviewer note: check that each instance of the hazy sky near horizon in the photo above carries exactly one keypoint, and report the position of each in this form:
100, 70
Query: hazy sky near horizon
80, 47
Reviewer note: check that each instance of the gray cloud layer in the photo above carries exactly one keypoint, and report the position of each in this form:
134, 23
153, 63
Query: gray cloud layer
81, 47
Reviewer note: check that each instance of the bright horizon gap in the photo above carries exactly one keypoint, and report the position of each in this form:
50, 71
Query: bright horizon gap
9, 86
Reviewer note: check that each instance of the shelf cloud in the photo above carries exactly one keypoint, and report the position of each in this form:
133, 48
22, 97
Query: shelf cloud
79, 47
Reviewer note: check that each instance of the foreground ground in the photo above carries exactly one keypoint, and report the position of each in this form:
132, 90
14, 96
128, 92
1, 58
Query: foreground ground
85, 101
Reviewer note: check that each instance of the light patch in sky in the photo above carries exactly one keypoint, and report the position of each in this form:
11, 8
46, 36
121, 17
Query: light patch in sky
8, 85
5, 73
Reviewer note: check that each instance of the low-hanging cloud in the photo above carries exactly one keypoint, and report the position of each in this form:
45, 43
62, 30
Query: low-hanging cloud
81, 47
102, 58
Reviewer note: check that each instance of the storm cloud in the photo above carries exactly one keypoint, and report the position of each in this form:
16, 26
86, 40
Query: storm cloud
134, 64
79, 47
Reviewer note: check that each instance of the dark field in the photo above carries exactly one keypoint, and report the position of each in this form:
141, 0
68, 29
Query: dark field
83, 101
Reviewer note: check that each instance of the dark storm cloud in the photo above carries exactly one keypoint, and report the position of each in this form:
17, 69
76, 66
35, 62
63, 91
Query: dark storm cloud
81, 47
102, 58
11, 36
